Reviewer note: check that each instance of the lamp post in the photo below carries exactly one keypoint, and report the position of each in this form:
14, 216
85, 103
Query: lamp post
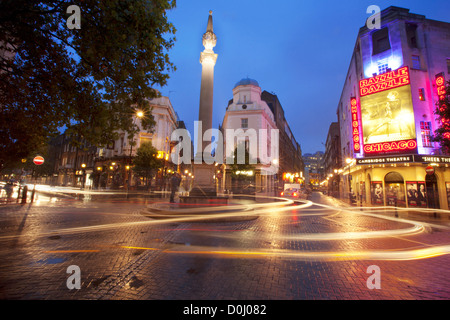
348, 160
140, 115
83, 166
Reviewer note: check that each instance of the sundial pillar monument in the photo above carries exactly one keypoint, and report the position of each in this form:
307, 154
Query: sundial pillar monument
204, 172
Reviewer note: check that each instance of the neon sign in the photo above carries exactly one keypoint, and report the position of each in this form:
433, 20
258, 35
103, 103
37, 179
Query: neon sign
404, 145
355, 125
385, 81
440, 88
440, 85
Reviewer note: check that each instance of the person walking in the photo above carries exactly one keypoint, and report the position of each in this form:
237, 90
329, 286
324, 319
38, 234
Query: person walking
175, 181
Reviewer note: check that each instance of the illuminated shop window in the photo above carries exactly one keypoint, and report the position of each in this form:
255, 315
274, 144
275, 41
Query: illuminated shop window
425, 131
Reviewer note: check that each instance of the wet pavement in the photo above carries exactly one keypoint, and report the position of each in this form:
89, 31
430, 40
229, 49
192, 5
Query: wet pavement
312, 250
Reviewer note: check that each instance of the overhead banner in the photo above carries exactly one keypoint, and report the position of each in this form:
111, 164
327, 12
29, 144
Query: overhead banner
387, 115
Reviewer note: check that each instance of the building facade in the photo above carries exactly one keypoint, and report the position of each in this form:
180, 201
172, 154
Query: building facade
386, 113
314, 169
73, 165
332, 160
291, 166
248, 112
113, 164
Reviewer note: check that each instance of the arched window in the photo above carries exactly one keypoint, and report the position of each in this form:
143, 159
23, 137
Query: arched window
394, 189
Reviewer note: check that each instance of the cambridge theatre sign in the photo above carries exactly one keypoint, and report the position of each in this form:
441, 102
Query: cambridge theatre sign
417, 158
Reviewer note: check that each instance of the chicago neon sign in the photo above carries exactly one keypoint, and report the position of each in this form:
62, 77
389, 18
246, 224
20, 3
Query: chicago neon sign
403, 145
385, 81
355, 125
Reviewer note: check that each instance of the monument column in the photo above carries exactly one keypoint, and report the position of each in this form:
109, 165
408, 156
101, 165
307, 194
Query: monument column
203, 172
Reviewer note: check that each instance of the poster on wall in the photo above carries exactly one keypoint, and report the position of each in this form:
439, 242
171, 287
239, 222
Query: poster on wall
412, 193
416, 194
387, 116
422, 195
376, 191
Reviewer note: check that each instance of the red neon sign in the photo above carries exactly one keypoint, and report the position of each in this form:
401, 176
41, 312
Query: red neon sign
440, 88
355, 125
403, 145
385, 81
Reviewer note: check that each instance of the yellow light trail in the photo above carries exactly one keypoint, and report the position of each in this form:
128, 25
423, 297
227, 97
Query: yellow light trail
400, 255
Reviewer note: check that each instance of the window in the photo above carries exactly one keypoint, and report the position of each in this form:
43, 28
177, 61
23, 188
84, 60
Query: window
425, 131
411, 35
421, 94
380, 41
448, 67
244, 123
415, 62
382, 68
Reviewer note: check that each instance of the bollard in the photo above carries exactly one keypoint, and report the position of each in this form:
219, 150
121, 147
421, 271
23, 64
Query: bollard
24, 194
32, 193
18, 194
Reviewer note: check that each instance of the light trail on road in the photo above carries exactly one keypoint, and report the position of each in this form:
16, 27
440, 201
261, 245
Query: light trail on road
281, 207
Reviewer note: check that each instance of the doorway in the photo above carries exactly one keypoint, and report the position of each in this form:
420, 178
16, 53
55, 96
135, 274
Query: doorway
432, 191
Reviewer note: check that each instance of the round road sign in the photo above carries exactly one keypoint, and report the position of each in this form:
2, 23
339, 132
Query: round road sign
38, 160
429, 170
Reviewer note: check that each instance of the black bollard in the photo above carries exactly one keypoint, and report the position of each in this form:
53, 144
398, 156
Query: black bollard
24, 194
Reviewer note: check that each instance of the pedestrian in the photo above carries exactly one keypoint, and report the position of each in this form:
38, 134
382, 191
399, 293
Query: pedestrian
175, 181
9, 190
24, 194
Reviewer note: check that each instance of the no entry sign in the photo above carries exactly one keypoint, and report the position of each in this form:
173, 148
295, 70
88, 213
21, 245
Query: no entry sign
429, 170
38, 160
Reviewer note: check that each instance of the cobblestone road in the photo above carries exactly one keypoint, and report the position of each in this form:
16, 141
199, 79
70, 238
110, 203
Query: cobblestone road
311, 253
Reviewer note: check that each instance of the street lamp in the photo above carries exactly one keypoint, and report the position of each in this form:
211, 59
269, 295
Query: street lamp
139, 114
349, 160
83, 165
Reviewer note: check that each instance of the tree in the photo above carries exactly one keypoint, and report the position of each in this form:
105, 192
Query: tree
442, 133
90, 80
146, 163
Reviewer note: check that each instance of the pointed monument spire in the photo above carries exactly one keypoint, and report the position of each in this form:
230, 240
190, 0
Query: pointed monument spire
210, 23
209, 38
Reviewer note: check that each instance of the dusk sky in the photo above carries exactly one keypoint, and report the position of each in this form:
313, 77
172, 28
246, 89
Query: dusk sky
299, 50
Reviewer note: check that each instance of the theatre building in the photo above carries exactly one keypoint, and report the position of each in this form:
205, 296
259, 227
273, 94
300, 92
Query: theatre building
386, 114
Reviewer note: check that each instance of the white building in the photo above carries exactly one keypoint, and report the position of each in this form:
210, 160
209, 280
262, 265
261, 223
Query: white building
166, 121
115, 158
248, 112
